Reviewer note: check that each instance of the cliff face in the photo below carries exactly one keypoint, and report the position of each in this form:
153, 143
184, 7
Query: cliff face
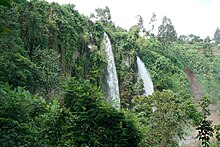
194, 87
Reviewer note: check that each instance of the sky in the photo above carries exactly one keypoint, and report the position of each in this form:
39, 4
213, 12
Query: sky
198, 17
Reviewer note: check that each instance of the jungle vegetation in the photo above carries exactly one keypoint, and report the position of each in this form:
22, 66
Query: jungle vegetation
53, 63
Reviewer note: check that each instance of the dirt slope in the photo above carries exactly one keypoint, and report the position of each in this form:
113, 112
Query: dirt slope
194, 87
191, 141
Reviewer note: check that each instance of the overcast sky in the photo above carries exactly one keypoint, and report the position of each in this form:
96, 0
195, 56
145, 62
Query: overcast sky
199, 17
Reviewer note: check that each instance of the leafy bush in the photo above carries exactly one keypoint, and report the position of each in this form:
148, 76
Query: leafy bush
18, 108
164, 116
97, 123
17, 70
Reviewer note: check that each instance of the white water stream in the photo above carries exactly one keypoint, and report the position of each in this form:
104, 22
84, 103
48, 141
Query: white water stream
145, 76
111, 75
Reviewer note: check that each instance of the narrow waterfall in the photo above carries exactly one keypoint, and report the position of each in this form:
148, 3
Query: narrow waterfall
111, 75
145, 76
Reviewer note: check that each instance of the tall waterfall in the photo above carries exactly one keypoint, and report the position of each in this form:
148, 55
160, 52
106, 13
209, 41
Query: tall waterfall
111, 75
145, 76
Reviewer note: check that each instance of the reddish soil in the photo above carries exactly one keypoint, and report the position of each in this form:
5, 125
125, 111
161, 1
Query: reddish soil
194, 87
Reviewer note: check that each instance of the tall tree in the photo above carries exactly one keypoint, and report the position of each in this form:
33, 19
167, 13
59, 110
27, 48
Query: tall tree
166, 31
217, 36
140, 24
152, 23
194, 39
103, 15
207, 39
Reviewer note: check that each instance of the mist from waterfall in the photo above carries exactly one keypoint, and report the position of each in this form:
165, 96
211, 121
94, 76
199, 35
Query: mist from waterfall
145, 76
111, 75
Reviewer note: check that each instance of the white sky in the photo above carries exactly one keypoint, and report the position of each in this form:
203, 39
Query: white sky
199, 17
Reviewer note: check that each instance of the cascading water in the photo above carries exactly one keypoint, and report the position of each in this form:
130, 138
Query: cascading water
111, 75
145, 76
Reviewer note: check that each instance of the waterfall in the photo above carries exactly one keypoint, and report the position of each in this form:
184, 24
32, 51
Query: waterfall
111, 75
145, 76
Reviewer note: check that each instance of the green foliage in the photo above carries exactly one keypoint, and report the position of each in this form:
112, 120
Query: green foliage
48, 42
184, 52
80, 94
98, 63
58, 127
165, 65
207, 72
98, 33
217, 129
48, 69
193, 39
56, 39
4, 30
217, 36
17, 70
125, 45
5, 3
51, 26
98, 124
87, 121
10, 41
140, 24
17, 109
205, 127
102, 15
164, 115
166, 31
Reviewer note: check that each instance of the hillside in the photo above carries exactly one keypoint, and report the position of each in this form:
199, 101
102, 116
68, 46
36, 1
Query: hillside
54, 79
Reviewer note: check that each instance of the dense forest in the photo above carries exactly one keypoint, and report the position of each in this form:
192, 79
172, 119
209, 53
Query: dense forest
53, 84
